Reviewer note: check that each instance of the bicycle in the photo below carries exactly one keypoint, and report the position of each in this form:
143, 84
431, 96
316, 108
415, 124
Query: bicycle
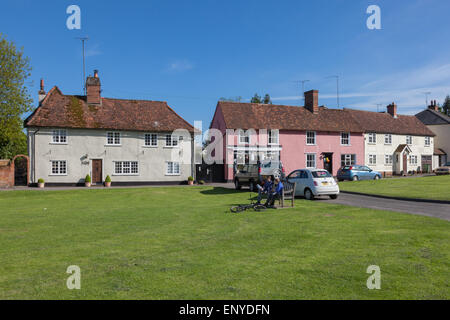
243, 207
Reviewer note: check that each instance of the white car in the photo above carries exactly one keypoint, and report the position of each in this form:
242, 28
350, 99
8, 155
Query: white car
312, 183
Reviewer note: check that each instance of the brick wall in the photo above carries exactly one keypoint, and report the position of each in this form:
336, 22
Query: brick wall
6, 174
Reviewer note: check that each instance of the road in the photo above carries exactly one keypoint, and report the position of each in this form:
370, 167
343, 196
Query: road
437, 210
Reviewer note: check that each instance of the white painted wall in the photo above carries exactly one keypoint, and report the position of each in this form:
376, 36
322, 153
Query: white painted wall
380, 149
93, 143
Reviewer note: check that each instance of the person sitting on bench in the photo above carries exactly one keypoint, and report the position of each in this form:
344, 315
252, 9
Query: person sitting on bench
275, 194
265, 187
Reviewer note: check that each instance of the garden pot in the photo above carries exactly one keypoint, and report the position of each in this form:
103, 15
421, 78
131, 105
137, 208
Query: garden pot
107, 184
190, 182
41, 185
87, 184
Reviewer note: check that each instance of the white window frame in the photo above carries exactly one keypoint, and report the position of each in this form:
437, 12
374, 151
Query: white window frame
348, 159
152, 135
245, 135
372, 159
342, 138
171, 141
388, 159
388, 139
170, 167
59, 136
314, 136
116, 138
411, 162
59, 167
427, 141
315, 161
273, 137
409, 140
372, 138
125, 164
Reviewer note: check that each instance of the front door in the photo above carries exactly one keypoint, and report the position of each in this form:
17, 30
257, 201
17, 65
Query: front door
97, 176
405, 163
328, 162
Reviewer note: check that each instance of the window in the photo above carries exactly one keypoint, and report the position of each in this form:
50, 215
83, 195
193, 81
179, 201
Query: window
409, 140
243, 137
372, 138
126, 168
113, 138
173, 168
321, 174
348, 159
413, 160
273, 136
59, 167
59, 136
171, 141
388, 159
372, 159
310, 137
388, 139
151, 140
427, 141
310, 160
345, 138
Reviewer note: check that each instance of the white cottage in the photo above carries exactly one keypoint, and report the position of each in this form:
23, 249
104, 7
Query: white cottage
132, 141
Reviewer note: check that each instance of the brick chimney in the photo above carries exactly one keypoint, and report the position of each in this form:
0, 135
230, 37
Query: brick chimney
41, 93
312, 101
93, 89
392, 110
433, 106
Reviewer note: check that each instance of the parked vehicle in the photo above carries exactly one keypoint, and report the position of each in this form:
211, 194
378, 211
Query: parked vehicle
445, 169
251, 174
312, 183
356, 172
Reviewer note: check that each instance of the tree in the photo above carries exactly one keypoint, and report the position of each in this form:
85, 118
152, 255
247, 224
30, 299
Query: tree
266, 99
446, 106
256, 99
14, 99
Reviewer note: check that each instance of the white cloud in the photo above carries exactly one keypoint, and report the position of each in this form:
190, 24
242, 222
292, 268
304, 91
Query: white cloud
93, 50
407, 89
180, 65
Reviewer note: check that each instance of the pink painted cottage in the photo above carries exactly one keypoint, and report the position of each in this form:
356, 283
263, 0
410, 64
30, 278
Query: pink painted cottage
312, 136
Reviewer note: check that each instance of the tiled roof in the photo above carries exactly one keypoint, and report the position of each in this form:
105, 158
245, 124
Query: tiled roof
239, 115
385, 123
68, 111
432, 117
439, 152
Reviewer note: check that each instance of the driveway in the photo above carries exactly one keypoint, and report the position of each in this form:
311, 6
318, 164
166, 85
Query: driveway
436, 210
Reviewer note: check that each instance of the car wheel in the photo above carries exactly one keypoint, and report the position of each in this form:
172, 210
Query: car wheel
251, 186
237, 186
377, 177
309, 195
355, 178
334, 196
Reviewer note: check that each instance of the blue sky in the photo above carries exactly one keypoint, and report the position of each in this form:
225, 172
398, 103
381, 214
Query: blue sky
191, 53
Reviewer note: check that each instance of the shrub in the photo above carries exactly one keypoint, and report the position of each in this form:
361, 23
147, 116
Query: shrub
41, 180
88, 178
108, 179
201, 182
190, 178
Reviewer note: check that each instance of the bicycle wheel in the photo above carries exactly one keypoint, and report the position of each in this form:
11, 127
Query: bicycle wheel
236, 209
259, 207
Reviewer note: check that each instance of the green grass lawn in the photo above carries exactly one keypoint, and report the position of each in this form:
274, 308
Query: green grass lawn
182, 243
434, 187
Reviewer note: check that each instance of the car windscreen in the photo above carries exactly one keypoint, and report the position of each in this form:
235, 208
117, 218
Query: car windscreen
321, 174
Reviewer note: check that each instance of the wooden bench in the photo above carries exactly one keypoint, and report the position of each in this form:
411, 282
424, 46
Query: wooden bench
288, 193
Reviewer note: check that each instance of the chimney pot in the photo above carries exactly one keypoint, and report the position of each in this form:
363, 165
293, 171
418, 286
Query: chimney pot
312, 101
